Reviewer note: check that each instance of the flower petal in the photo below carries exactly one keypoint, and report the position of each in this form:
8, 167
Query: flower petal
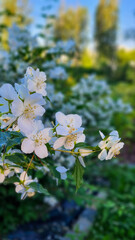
27, 146
22, 91
102, 155
80, 138
47, 134
61, 118
41, 151
85, 152
25, 126
102, 135
39, 110
2, 178
17, 107
8, 92
62, 130
59, 142
61, 169
81, 161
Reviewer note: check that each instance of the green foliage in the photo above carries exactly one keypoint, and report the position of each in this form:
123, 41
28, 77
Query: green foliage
116, 215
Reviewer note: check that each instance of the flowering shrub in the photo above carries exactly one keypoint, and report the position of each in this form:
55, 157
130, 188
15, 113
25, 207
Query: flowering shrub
26, 143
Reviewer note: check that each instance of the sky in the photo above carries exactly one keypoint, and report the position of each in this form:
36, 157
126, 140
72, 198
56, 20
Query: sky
126, 16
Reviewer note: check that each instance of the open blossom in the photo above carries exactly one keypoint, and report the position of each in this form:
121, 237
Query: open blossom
36, 140
111, 144
115, 150
35, 81
27, 110
23, 186
69, 127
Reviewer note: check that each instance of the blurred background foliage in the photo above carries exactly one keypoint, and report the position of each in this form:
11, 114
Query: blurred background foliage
97, 83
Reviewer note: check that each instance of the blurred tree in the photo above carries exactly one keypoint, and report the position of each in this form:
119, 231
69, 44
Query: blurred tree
106, 28
13, 11
72, 24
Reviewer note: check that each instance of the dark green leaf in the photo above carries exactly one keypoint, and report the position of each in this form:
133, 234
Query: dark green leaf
78, 173
39, 188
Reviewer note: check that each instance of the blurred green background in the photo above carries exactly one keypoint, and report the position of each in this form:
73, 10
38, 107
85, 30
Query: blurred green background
87, 49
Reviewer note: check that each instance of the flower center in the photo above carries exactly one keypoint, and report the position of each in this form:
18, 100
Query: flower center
40, 84
71, 138
39, 139
29, 111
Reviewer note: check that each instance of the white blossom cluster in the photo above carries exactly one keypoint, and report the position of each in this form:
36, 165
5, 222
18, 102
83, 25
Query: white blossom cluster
20, 38
21, 109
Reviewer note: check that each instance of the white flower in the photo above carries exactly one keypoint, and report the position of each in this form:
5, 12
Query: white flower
85, 152
27, 110
35, 142
23, 186
69, 126
36, 81
4, 173
108, 144
115, 150
8, 92
6, 120
62, 170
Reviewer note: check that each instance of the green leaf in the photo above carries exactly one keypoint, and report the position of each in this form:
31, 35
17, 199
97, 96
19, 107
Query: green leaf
50, 148
11, 179
39, 188
47, 98
86, 146
4, 137
13, 142
19, 159
78, 173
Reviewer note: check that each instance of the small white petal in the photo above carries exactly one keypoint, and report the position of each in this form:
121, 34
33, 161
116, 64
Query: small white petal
85, 152
102, 135
59, 142
39, 110
27, 146
60, 118
61, 169
41, 151
63, 176
17, 107
102, 155
19, 188
82, 161
2, 178
22, 91
80, 138
7, 91
62, 130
